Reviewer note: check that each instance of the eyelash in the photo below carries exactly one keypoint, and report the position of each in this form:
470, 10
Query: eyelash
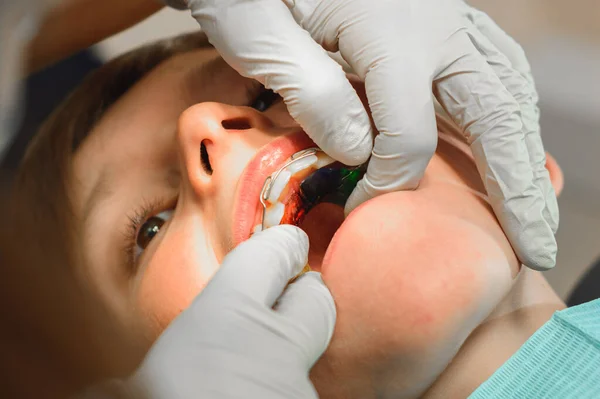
137, 218
264, 100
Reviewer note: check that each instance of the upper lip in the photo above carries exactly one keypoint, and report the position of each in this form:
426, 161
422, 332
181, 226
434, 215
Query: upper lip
266, 161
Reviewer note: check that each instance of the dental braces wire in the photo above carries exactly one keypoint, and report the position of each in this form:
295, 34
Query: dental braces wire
268, 185
343, 180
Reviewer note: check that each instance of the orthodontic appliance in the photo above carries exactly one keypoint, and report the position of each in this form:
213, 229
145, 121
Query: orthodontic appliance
308, 178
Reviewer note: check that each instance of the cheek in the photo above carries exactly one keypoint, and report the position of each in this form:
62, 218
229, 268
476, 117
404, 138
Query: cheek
395, 269
179, 269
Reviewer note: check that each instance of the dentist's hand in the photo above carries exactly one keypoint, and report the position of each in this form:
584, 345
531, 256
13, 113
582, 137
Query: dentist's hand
401, 49
241, 337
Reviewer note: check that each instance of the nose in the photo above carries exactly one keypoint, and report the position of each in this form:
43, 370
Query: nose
206, 133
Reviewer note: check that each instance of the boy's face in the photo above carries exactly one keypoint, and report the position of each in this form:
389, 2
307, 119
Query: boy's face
168, 183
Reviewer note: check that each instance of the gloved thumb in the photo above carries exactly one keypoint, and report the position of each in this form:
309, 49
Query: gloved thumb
261, 267
308, 304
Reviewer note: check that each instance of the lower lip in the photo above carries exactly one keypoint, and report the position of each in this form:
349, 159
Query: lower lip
247, 208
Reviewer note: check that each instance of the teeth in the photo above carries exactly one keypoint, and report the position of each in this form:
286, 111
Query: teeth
303, 152
273, 215
311, 158
324, 160
301, 164
278, 185
257, 229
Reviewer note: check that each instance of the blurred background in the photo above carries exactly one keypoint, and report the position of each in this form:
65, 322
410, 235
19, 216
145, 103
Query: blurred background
562, 41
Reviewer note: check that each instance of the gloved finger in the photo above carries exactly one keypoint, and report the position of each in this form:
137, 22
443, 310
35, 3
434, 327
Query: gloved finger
477, 101
260, 267
398, 89
507, 59
308, 305
260, 39
337, 57
399, 92
397, 84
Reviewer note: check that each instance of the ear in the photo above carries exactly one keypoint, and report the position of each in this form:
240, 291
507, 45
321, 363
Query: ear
556, 174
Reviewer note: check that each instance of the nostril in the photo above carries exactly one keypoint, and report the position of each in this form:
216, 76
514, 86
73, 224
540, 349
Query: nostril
236, 124
204, 158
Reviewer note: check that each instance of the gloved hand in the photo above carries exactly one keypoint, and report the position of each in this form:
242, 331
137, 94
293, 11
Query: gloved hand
401, 49
241, 337
232, 343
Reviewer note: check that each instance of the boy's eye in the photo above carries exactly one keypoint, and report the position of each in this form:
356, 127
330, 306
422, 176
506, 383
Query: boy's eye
264, 100
150, 229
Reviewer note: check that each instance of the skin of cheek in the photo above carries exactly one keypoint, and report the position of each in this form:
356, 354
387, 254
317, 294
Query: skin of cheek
424, 295
176, 273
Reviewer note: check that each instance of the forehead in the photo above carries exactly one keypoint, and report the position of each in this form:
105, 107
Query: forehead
145, 114
175, 82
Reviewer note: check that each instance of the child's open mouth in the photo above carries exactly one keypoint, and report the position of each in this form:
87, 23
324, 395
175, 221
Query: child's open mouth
309, 191
309, 178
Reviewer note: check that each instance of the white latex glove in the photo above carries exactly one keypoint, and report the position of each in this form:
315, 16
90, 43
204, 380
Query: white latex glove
401, 49
241, 337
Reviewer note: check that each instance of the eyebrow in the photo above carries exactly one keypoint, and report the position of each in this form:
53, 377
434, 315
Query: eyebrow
102, 189
99, 193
